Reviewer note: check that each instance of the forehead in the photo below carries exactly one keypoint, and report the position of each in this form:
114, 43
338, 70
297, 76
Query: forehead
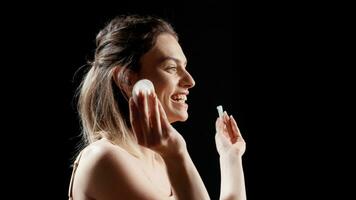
166, 46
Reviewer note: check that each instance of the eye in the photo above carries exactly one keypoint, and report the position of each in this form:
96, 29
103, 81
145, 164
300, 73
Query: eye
171, 69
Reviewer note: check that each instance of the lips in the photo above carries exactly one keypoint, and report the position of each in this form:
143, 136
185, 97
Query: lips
180, 97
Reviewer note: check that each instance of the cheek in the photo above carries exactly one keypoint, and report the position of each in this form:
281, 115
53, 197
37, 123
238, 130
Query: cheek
163, 88
163, 93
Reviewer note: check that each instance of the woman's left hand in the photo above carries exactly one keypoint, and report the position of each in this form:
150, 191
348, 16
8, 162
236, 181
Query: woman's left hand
152, 128
228, 138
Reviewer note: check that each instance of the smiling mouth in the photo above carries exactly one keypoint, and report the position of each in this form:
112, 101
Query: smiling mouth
179, 98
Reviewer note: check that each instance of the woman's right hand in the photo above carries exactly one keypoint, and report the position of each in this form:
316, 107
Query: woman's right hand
228, 138
152, 128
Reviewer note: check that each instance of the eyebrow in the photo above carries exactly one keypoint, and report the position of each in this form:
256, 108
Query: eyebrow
171, 58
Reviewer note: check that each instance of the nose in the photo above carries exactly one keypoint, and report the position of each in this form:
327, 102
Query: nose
187, 80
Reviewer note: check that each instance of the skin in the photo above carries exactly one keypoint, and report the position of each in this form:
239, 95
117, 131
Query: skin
165, 65
231, 146
108, 172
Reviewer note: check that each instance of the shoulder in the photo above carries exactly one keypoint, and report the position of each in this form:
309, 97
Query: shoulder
107, 171
103, 151
101, 163
102, 159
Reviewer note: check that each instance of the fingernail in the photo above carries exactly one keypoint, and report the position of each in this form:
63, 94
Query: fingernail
226, 115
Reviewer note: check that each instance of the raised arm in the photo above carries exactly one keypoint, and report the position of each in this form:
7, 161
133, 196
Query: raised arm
231, 146
153, 131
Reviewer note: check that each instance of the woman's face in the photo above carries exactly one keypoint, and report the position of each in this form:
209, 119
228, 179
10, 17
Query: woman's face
165, 65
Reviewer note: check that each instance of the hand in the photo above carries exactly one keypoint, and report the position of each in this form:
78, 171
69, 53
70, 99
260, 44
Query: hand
152, 128
228, 138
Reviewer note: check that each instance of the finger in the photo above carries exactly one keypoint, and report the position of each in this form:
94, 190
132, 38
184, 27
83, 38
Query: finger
220, 136
164, 120
236, 128
234, 135
143, 112
228, 125
220, 139
134, 120
219, 125
155, 117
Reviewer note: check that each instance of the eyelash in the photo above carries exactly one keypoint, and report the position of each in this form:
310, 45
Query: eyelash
170, 68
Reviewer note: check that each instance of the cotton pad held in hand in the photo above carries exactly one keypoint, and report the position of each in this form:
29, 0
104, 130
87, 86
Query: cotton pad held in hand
144, 85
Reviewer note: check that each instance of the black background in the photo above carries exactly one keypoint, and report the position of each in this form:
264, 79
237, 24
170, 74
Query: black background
267, 64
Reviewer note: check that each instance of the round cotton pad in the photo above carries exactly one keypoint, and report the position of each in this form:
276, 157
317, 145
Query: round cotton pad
144, 85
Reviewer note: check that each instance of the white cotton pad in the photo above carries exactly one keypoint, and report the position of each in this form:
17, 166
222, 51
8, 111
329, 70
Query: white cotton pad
144, 85
220, 110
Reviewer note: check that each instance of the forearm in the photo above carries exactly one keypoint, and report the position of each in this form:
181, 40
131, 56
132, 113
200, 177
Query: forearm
184, 177
232, 178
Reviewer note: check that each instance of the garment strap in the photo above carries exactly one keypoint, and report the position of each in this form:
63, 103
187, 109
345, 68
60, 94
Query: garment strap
75, 165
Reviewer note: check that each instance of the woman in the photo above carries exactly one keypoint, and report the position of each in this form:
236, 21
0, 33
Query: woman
132, 151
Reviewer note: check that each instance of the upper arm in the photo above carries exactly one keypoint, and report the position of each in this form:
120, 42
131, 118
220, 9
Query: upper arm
116, 176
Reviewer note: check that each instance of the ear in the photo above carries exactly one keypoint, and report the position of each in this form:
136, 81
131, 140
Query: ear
125, 80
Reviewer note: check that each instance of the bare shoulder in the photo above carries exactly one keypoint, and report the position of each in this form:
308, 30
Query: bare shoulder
107, 172
99, 162
103, 151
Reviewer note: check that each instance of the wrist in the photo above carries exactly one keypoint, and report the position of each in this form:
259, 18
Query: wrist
177, 154
173, 148
230, 158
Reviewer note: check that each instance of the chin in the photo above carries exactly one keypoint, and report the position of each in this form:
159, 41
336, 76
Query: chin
182, 119
178, 118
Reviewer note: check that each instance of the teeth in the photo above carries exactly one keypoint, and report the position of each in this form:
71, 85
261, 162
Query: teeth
179, 97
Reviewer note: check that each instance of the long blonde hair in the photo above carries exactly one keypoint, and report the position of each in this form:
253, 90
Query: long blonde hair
102, 106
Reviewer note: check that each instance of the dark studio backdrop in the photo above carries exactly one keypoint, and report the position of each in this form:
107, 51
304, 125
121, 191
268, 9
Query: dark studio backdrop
257, 61
54, 40
212, 48
210, 38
